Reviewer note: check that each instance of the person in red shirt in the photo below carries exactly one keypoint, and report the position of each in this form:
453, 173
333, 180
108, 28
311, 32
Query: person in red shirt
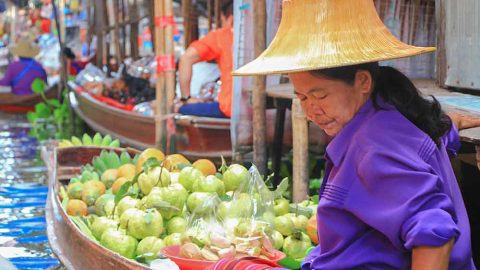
217, 45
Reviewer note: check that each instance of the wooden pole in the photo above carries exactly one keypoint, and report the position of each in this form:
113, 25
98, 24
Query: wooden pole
300, 152
441, 46
160, 102
209, 11
217, 14
116, 37
170, 52
133, 14
259, 94
99, 25
190, 22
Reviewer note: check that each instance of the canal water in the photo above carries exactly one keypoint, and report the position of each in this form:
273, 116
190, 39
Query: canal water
23, 192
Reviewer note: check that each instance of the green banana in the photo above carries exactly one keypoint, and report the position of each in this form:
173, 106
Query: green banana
99, 165
95, 176
106, 140
76, 141
97, 139
135, 159
113, 160
74, 180
87, 140
125, 158
115, 143
86, 176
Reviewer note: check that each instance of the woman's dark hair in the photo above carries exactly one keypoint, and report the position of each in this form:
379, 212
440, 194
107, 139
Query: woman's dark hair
395, 88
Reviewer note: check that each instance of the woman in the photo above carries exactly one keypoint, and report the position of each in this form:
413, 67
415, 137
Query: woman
20, 74
389, 199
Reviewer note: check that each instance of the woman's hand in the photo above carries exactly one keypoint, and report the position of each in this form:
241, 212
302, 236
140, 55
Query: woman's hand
462, 121
432, 258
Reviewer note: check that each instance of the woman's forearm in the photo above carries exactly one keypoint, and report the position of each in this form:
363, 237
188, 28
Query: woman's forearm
431, 258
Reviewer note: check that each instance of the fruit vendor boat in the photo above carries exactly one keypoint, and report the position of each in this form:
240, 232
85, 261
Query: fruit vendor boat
25, 103
195, 137
74, 249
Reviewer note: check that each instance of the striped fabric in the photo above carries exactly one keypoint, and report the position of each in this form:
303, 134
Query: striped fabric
245, 263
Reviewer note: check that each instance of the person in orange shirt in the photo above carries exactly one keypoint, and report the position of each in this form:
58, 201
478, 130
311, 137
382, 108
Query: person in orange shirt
217, 45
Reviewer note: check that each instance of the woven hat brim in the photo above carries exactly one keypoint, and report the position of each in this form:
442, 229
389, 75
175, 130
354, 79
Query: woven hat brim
21, 52
320, 34
284, 65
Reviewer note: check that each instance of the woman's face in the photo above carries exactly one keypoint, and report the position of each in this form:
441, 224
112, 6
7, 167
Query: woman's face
331, 104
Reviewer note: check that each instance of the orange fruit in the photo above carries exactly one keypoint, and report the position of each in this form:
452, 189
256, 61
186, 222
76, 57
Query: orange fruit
126, 170
91, 191
171, 162
312, 229
207, 167
145, 155
77, 208
118, 184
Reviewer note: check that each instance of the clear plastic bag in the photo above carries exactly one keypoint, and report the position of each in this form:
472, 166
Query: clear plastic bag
90, 74
252, 207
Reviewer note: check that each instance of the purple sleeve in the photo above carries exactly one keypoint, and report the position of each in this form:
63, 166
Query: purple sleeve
7, 79
310, 257
402, 198
451, 140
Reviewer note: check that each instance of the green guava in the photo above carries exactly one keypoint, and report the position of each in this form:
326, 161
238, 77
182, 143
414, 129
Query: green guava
176, 225
125, 203
169, 201
145, 223
188, 176
101, 224
105, 204
174, 239
149, 248
156, 177
119, 242
234, 177
209, 184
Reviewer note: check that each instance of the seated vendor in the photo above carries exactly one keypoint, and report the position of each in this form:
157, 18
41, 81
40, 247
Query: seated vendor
74, 65
216, 45
21, 73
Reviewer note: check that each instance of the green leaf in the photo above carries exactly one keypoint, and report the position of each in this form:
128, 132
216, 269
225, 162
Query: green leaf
315, 184
150, 163
32, 117
180, 166
38, 86
164, 205
54, 102
122, 192
42, 110
224, 166
314, 199
281, 188
225, 198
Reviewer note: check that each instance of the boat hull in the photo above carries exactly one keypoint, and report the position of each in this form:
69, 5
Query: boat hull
70, 245
195, 137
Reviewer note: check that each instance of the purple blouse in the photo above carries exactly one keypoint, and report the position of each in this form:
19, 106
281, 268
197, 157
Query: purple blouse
387, 189
21, 74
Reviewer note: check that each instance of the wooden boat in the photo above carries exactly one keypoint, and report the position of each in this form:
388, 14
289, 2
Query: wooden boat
195, 136
74, 249
21, 104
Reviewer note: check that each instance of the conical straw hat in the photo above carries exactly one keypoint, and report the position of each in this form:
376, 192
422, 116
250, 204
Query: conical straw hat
24, 48
319, 34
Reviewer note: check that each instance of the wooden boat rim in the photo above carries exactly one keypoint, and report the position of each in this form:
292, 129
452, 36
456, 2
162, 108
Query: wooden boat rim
54, 210
100, 128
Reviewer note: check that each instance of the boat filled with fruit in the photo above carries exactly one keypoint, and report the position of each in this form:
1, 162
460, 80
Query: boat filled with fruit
117, 208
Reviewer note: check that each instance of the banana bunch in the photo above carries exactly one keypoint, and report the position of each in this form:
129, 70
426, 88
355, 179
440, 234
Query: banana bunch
110, 160
87, 173
86, 140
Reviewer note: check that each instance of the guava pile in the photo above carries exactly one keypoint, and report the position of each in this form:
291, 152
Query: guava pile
136, 206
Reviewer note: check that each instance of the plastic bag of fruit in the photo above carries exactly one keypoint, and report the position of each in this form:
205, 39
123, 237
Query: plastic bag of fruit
250, 211
205, 237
